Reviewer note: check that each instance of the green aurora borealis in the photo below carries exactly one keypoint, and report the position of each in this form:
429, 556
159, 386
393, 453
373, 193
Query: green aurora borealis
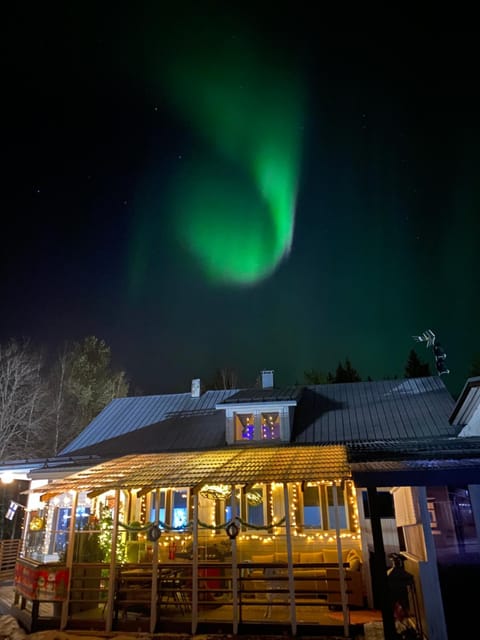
233, 206
225, 187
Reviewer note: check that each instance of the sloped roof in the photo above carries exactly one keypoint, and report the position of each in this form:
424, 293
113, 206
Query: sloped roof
227, 466
192, 432
374, 411
421, 472
361, 412
124, 415
418, 449
252, 396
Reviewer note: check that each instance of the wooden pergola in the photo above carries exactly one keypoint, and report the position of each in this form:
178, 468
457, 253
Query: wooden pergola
236, 466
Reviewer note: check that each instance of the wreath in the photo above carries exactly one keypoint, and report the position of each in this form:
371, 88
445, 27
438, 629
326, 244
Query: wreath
36, 524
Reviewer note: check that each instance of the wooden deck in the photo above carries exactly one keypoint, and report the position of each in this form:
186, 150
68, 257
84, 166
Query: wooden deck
256, 616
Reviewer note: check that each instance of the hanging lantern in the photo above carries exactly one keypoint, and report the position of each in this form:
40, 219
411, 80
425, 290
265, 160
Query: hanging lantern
36, 524
254, 497
216, 491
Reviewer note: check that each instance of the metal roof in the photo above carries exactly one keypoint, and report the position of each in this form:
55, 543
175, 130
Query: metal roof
124, 415
421, 472
227, 466
418, 449
252, 396
194, 432
374, 411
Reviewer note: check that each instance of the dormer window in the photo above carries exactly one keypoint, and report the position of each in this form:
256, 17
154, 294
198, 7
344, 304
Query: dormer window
259, 415
256, 426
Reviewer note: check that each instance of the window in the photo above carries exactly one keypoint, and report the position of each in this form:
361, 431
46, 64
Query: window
179, 508
318, 507
255, 499
312, 513
257, 426
244, 426
270, 426
342, 511
153, 513
173, 507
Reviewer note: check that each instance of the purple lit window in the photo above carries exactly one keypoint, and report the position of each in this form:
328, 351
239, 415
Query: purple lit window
244, 426
270, 426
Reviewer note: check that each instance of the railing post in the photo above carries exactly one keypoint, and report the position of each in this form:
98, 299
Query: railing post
155, 575
291, 583
69, 560
113, 563
234, 569
195, 565
341, 570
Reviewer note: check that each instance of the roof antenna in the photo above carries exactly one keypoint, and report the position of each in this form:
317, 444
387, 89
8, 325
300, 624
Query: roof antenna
438, 351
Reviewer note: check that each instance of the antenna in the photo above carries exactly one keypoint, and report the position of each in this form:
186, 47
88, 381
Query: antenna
439, 354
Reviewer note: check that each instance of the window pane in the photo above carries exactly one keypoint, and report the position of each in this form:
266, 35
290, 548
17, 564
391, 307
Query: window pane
255, 506
270, 426
179, 502
244, 426
162, 514
342, 512
312, 515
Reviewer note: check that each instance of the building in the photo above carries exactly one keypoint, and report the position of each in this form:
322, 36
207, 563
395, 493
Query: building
280, 507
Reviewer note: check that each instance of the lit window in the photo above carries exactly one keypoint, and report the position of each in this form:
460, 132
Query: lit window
257, 426
244, 426
162, 514
255, 500
180, 508
270, 426
176, 515
312, 513
342, 510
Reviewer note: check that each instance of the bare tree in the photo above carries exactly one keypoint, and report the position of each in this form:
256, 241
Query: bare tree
42, 410
22, 399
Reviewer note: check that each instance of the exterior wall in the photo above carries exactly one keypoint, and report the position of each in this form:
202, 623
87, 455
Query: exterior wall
390, 540
474, 490
422, 562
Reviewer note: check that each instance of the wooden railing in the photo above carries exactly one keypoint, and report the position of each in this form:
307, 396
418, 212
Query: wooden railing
8, 555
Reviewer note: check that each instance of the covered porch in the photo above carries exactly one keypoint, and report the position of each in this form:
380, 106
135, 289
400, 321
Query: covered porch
244, 536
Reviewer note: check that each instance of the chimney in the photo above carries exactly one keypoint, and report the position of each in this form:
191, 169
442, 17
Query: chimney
196, 388
267, 379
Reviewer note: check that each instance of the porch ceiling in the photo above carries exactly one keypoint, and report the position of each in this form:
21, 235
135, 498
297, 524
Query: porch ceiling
229, 466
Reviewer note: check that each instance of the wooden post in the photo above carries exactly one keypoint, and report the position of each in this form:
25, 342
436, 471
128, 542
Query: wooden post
113, 563
234, 568
155, 573
291, 583
69, 560
195, 565
341, 570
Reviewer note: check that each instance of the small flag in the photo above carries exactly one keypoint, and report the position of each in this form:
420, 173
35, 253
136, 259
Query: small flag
12, 509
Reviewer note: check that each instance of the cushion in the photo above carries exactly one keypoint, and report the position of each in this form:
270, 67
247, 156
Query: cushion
330, 555
265, 559
314, 556
283, 557
354, 559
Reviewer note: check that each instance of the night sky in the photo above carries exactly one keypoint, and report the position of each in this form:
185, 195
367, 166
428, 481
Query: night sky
213, 189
